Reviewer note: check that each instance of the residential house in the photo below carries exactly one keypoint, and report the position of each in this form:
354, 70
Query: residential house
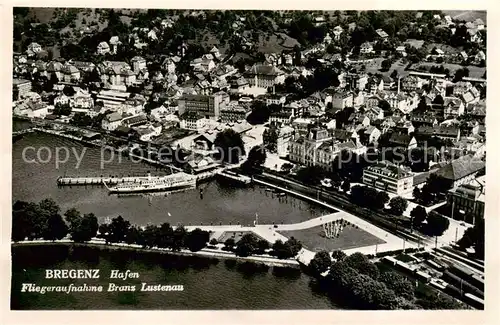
371, 134
21, 87
337, 31
233, 113
33, 49
276, 99
70, 73
282, 117
471, 96
400, 140
442, 132
138, 64
382, 34
114, 43
453, 107
411, 83
117, 74
342, 99
191, 120
461, 87
103, 48
366, 48
111, 121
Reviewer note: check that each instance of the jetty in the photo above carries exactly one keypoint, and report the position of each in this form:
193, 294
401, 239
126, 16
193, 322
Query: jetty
98, 180
233, 176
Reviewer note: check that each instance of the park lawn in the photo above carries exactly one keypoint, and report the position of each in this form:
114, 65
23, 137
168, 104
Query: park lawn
350, 237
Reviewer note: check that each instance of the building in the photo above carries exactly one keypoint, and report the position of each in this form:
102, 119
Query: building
207, 106
442, 132
304, 150
103, 48
112, 99
70, 73
343, 99
278, 139
264, 76
461, 171
466, 202
112, 121
411, 83
453, 107
21, 88
282, 117
366, 48
138, 63
233, 113
388, 177
117, 74
402, 141
192, 120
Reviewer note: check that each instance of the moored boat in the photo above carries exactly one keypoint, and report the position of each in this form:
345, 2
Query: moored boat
150, 183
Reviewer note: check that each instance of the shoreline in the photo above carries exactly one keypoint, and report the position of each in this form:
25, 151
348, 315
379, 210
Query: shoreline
204, 253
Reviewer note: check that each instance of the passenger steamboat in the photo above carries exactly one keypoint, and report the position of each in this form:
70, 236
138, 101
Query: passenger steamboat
150, 183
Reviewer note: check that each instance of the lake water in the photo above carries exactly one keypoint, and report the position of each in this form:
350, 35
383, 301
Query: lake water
208, 284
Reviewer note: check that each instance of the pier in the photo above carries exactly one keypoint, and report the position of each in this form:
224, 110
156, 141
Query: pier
237, 177
110, 180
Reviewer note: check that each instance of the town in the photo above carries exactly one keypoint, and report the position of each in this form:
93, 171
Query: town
378, 114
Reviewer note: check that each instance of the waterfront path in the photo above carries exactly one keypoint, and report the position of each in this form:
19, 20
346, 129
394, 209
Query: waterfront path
206, 252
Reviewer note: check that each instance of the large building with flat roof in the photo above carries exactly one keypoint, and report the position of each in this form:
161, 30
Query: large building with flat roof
207, 106
388, 177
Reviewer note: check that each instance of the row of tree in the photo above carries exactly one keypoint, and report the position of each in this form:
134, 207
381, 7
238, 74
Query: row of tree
250, 244
44, 220
364, 286
369, 197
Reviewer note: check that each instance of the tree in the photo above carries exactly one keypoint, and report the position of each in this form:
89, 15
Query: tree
386, 65
338, 255
436, 225
399, 283
417, 194
398, 205
310, 175
68, 91
247, 245
256, 157
118, 228
134, 235
262, 246
229, 243
360, 262
381, 199
230, 146
197, 239
321, 262
213, 242
346, 186
56, 228
83, 229
179, 238
474, 237
418, 215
